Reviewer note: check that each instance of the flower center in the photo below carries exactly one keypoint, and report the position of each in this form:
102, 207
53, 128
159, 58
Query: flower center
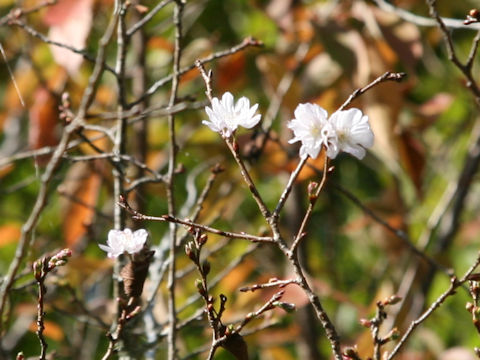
316, 131
342, 136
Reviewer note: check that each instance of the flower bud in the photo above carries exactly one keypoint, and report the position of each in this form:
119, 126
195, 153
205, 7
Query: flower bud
202, 239
134, 312
190, 251
469, 306
206, 268
312, 190
59, 259
350, 353
288, 307
366, 323
37, 270
395, 334
392, 300
199, 285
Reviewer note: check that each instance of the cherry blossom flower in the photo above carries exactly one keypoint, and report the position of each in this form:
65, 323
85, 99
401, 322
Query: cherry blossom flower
312, 129
225, 115
120, 241
346, 130
353, 133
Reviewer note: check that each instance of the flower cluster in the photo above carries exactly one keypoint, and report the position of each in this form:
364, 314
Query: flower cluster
225, 115
120, 241
345, 130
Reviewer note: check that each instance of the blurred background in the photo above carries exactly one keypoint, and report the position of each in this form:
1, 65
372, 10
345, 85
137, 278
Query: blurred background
419, 178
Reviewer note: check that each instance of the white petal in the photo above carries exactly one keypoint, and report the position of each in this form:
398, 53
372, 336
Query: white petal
353, 131
227, 101
357, 151
225, 116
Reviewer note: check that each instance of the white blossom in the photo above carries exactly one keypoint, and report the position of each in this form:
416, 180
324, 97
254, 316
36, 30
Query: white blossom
353, 133
346, 130
312, 129
120, 241
225, 115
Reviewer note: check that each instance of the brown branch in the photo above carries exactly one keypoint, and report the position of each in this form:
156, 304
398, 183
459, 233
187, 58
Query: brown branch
138, 25
388, 76
29, 226
421, 20
244, 44
172, 156
188, 223
466, 68
46, 40
454, 284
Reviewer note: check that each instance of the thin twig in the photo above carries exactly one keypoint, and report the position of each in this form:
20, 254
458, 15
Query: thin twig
137, 26
271, 283
16, 13
244, 44
388, 76
171, 284
454, 284
168, 218
46, 40
288, 187
29, 226
232, 145
313, 199
466, 69
421, 20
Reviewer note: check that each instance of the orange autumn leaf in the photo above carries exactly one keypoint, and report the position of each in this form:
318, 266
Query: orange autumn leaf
9, 233
6, 169
52, 330
43, 116
231, 72
238, 275
81, 191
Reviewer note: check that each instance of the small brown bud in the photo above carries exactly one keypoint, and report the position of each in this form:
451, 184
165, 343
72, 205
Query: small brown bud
288, 307
134, 312
190, 251
366, 323
202, 239
350, 352
392, 300
395, 334
476, 312
217, 169
206, 268
312, 187
235, 145
199, 286
469, 306
141, 9
37, 270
